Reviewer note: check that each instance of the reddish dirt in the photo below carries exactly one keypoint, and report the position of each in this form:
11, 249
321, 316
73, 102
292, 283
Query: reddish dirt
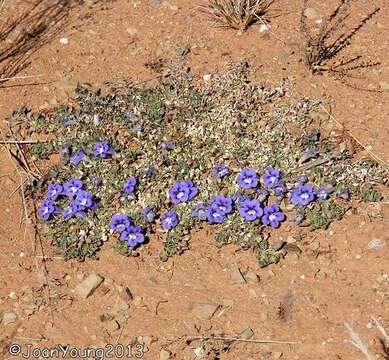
335, 279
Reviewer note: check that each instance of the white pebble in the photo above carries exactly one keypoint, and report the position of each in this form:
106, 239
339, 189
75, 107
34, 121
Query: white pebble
318, 21
207, 77
369, 325
264, 27
63, 41
358, 256
302, 277
21, 254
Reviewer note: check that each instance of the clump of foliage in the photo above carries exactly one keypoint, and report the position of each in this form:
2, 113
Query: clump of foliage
236, 14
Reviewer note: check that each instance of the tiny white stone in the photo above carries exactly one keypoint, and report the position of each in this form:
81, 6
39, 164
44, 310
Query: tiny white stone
302, 277
21, 254
12, 294
318, 21
207, 77
358, 256
369, 325
63, 41
264, 27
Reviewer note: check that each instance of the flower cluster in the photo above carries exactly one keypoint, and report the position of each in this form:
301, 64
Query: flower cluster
73, 189
183, 191
130, 233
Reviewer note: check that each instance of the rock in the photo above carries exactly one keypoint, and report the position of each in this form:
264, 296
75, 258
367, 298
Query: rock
9, 318
117, 308
314, 245
149, 339
384, 85
152, 2
63, 41
132, 31
90, 284
164, 354
112, 326
310, 13
203, 311
65, 83
247, 334
264, 27
252, 276
252, 294
126, 295
229, 303
237, 277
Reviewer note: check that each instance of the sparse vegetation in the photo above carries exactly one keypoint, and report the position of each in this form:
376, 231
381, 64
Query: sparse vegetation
322, 45
237, 14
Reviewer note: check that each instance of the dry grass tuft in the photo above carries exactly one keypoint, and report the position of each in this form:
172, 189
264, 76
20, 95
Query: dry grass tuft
237, 14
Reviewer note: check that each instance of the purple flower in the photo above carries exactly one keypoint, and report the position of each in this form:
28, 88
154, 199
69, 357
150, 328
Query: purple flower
102, 149
272, 215
182, 191
138, 127
213, 214
71, 188
323, 193
96, 181
130, 115
120, 222
279, 189
223, 204
247, 179
179, 193
54, 190
169, 220
150, 170
193, 191
47, 208
78, 157
67, 121
272, 177
133, 235
303, 195
73, 210
343, 194
149, 214
261, 195
220, 171
238, 198
167, 145
200, 212
84, 199
64, 149
250, 209
129, 186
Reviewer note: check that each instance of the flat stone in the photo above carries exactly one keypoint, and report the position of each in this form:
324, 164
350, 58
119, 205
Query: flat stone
252, 276
89, 285
247, 334
152, 2
237, 277
9, 318
65, 83
125, 294
310, 13
384, 85
164, 354
203, 311
112, 326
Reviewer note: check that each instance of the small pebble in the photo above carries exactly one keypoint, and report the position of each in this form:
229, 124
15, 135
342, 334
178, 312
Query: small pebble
63, 41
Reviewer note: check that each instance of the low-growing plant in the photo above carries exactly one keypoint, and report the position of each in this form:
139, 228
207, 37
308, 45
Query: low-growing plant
237, 14
138, 164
